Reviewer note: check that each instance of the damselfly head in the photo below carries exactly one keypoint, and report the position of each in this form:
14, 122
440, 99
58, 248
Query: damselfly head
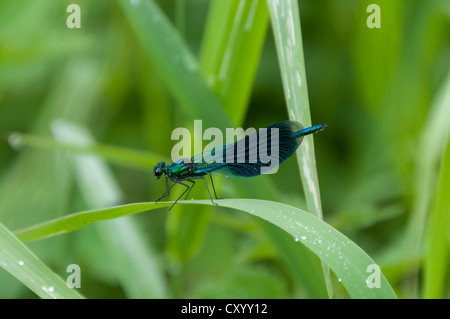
159, 169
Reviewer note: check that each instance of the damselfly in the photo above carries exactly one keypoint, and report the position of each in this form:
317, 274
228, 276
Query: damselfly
246, 157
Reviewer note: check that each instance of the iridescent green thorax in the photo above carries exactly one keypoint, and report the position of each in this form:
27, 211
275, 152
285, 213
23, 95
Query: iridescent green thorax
183, 168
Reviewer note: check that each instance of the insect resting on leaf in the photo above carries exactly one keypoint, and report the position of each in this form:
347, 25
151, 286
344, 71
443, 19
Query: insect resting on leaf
241, 159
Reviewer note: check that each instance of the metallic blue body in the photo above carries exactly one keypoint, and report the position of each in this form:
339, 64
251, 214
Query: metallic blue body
240, 159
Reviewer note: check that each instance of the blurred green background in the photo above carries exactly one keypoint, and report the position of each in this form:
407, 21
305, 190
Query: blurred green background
384, 94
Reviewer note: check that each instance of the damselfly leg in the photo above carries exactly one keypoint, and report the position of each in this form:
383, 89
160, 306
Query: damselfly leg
212, 183
190, 179
188, 188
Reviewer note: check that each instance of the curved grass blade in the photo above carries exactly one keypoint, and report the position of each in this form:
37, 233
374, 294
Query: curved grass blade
20, 262
348, 261
76, 221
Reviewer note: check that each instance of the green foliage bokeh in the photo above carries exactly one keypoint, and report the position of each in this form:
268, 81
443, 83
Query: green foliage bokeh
379, 161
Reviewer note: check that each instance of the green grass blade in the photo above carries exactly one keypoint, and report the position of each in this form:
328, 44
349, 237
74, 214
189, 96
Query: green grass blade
285, 21
76, 221
174, 63
301, 264
20, 262
286, 25
436, 258
348, 261
429, 152
231, 48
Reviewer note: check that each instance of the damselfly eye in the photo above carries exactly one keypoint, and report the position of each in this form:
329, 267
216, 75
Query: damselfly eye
158, 171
